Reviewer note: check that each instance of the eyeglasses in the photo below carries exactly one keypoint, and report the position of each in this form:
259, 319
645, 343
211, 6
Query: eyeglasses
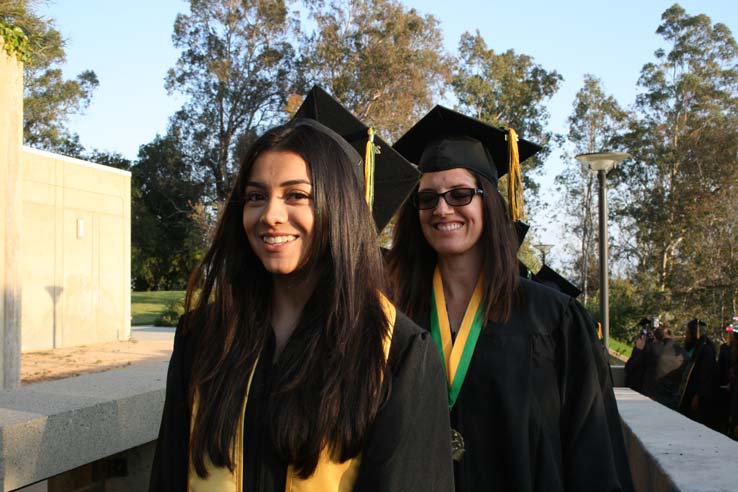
457, 197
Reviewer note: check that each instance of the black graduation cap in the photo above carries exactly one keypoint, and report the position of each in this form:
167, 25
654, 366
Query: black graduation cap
547, 276
394, 177
445, 139
523, 270
521, 230
695, 327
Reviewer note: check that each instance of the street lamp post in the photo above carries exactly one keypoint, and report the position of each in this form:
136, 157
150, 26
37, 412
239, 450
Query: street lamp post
544, 249
602, 162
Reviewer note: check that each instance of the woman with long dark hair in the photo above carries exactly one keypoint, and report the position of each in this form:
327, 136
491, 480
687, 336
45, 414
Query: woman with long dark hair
291, 371
528, 390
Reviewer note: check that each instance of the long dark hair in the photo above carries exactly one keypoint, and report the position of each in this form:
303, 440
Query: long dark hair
411, 260
327, 393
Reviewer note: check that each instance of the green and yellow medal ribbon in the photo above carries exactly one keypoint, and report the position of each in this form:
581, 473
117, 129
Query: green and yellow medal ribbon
455, 356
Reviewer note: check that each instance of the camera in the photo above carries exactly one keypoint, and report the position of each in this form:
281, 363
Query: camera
648, 326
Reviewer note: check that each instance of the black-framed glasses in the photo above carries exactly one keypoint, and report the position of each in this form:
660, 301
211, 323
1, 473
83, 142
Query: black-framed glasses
457, 197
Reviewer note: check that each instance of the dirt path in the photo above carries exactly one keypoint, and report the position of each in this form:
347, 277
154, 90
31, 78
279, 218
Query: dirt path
62, 363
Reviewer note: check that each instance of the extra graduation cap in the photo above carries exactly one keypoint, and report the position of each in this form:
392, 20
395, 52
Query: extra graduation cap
446, 139
394, 178
548, 276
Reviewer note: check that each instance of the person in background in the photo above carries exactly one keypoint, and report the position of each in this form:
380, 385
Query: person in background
663, 362
641, 359
727, 367
698, 384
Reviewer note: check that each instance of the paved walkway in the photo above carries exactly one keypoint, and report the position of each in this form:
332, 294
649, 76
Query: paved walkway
148, 343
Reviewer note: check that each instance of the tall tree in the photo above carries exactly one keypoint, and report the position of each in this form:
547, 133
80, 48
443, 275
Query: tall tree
595, 120
236, 70
679, 188
385, 62
168, 232
506, 89
48, 98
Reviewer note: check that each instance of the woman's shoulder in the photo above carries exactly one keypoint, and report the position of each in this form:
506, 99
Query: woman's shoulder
538, 294
547, 310
188, 333
408, 340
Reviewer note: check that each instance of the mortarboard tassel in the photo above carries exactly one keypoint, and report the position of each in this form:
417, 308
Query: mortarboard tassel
515, 182
371, 151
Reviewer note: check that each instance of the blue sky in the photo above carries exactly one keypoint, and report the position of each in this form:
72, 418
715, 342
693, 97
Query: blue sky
129, 46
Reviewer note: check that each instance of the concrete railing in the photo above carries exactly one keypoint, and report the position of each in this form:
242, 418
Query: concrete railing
47, 429
669, 452
53, 427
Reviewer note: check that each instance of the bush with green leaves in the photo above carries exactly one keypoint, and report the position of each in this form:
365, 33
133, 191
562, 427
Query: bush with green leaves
170, 317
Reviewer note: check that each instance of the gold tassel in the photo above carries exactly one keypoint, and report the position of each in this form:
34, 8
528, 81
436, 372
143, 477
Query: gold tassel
371, 151
515, 182
599, 331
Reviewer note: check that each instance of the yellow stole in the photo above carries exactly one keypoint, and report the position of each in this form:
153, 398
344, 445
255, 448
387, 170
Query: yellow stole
329, 475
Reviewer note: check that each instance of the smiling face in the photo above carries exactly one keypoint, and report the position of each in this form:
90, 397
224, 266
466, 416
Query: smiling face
452, 230
278, 214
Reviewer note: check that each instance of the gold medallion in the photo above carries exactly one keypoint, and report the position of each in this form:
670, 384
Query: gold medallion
457, 445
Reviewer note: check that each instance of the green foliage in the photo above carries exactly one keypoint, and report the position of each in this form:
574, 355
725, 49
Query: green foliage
621, 348
112, 159
384, 61
147, 307
15, 41
235, 71
626, 308
170, 316
169, 224
48, 99
506, 89
595, 121
676, 198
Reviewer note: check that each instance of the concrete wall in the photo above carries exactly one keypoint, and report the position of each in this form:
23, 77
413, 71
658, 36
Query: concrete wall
11, 137
61, 427
670, 453
54, 427
76, 252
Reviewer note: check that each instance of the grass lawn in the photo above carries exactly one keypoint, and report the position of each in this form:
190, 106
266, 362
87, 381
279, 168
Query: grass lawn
621, 348
146, 307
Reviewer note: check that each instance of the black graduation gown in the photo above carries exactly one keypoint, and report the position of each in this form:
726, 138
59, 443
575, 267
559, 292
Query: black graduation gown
636, 368
536, 410
700, 382
722, 396
661, 364
408, 446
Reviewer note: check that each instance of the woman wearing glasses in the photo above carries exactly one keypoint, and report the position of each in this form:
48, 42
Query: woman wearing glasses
531, 408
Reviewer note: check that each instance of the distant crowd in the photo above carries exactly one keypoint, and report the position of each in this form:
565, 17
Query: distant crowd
695, 378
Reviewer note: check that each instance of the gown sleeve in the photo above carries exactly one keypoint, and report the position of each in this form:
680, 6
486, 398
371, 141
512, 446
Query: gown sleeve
594, 448
169, 469
409, 446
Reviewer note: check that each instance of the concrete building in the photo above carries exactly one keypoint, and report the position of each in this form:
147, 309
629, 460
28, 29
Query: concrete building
76, 252
65, 242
